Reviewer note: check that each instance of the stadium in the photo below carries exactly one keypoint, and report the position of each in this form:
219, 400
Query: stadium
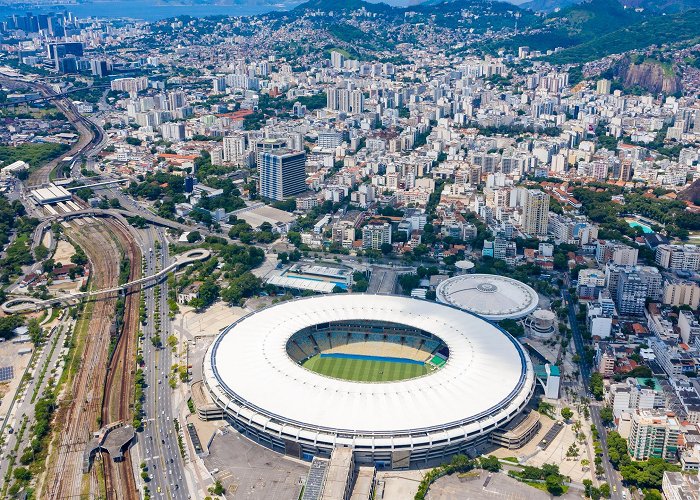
402, 381
490, 296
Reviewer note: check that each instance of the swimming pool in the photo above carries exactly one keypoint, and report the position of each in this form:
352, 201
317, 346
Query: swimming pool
646, 229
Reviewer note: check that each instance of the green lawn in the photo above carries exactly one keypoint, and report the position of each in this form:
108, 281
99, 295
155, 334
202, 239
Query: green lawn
361, 370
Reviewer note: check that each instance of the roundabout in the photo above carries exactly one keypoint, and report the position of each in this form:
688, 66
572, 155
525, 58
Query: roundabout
405, 379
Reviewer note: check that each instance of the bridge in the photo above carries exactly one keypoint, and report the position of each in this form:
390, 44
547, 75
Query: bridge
122, 214
29, 304
65, 93
98, 184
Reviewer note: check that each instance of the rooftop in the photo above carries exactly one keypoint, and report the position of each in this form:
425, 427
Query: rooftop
490, 296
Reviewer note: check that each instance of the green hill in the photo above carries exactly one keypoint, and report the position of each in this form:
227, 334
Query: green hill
658, 30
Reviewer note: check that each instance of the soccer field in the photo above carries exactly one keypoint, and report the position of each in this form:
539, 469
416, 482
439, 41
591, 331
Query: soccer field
361, 370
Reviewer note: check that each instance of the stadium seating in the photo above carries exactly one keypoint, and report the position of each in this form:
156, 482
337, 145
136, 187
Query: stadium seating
376, 341
295, 353
322, 341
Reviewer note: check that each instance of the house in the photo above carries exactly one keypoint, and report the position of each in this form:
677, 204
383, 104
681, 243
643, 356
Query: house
190, 292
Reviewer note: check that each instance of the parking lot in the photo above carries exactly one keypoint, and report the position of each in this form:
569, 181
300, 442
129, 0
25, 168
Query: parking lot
248, 470
486, 486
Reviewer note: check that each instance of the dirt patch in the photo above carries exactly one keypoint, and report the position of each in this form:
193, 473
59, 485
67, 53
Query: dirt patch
64, 251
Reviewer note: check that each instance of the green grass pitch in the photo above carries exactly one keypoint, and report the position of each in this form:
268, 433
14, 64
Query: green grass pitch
360, 370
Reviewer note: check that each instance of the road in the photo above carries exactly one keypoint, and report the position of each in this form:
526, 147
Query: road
91, 135
611, 476
47, 359
27, 303
45, 97
158, 443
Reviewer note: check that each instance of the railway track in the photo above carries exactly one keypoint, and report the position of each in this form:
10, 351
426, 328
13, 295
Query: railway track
91, 135
117, 401
82, 403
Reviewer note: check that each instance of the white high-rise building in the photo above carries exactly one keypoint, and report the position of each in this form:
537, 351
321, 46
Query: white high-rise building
357, 101
535, 211
682, 293
235, 148
375, 235
654, 434
173, 131
678, 257
337, 59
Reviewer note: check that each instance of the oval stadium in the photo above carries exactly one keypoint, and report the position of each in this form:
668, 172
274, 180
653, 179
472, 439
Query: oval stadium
401, 381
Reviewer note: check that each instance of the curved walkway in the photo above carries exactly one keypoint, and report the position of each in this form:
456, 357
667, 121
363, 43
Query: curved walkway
28, 304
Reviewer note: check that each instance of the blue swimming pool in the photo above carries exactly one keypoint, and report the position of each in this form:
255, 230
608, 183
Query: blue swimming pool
646, 229
364, 357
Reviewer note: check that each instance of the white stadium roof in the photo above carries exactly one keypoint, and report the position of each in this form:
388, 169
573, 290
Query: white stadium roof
301, 284
487, 379
490, 296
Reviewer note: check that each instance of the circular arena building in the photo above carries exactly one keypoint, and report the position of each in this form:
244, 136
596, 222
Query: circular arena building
491, 296
400, 380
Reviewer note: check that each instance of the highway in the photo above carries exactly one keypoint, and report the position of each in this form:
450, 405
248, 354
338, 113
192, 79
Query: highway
611, 476
45, 97
91, 135
158, 443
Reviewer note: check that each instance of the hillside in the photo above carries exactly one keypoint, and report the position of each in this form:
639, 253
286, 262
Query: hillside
653, 31
572, 26
668, 6
691, 193
345, 5
648, 74
548, 5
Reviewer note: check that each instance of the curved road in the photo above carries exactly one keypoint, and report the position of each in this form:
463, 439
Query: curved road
25, 304
91, 135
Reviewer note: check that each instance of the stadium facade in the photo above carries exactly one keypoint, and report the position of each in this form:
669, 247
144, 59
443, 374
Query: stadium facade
254, 371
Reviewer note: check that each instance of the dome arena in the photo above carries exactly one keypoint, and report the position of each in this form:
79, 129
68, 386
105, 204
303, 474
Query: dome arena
490, 296
399, 380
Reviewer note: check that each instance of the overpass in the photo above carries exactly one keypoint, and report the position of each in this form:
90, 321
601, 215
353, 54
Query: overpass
29, 304
60, 95
97, 184
122, 214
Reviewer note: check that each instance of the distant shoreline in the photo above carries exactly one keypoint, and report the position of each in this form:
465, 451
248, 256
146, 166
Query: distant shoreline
146, 10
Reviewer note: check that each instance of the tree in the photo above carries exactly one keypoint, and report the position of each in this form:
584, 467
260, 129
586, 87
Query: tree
79, 258
606, 415
604, 490
8, 325
596, 386
546, 408
386, 248
554, 484
35, 331
41, 252
566, 413
217, 489
48, 265
490, 463
22, 474
408, 282
193, 237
